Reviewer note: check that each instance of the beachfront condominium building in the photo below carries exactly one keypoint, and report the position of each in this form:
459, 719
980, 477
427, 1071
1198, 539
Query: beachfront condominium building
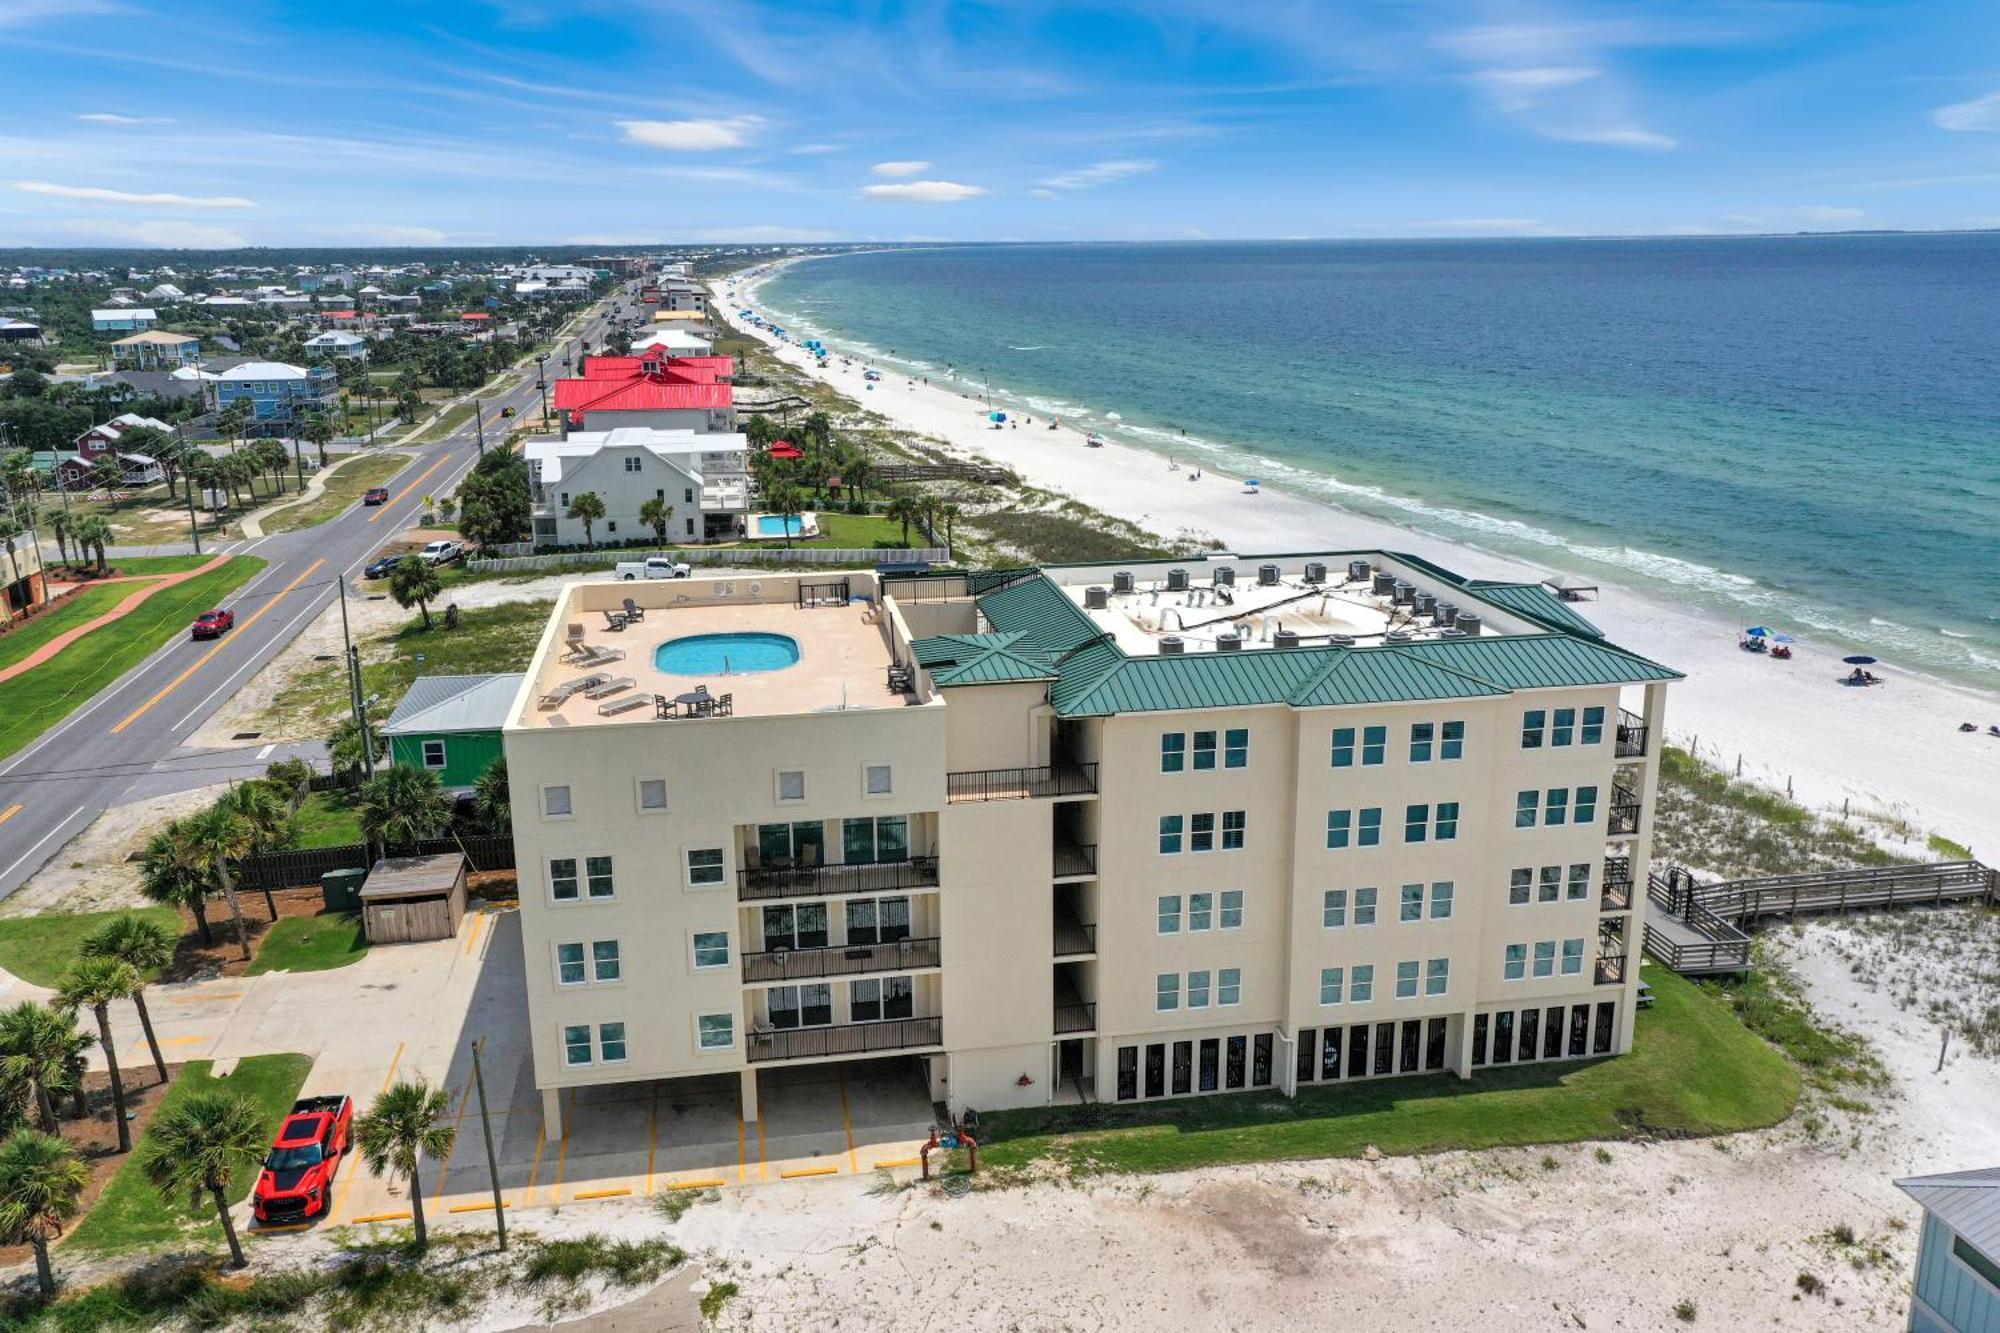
1119, 833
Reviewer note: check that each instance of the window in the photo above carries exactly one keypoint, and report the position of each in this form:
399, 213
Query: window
1339, 828
1556, 810
1330, 979
1453, 744
1520, 887
1173, 751
875, 841
877, 780
878, 921
1545, 958
791, 784
1333, 909
1441, 895
1579, 881
1406, 981
611, 1043
1197, 990
604, 963
1204, 751
1527, 804
1167, 991
715, 1032
576, 1044
1361, 985
1416, 822
569, 965
1229, 986
1232, 909
875, 1001
1422, 738
1201, 911
1170, 834
711, 949
1374, 745
704, 867
1201, 832
1170, 914
555, 802
1412, 903
634, 465
652, 793
1593, 727
1343, 747
1563, 732
1586, 806
1977, 1262
801, 1006
562, 879
1364, 907
1233, 822
1446, 828
1549, 887
597, 875
1236, 747
1532, 724
1371, 827
1437, 976
433, 754
1572, 957
1516, 965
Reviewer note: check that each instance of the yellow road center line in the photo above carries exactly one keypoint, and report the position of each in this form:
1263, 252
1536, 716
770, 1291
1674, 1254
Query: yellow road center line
696, 1184
398, 496
486, 1207
403, 1216
847, 1120
220, 644
898, 1161
795, 1173
601, 1194
9, 812
652, 1137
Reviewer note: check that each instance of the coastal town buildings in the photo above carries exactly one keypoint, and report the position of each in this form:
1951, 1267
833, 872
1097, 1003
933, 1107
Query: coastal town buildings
1104, 832
649, 389
704, 477
122, 319
281, 396
156, 349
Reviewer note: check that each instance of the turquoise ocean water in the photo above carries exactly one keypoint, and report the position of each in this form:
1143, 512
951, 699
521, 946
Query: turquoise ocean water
1801, 431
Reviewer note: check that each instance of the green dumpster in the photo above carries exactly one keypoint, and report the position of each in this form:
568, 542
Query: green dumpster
340, 890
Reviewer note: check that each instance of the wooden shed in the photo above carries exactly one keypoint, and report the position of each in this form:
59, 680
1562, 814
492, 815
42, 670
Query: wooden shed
409, 898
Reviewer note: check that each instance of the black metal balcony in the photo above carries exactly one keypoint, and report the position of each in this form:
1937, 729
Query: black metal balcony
1631, 742
823, 881
1615, 893
1611, 970
1074, 858
840, 960
1019, 784
896, 1034
1073, 937
1624, 812
1076, 1018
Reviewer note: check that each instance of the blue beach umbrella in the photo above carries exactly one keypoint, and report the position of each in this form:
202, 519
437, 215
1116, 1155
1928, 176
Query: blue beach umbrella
996, 416
1758, 632
1859, 659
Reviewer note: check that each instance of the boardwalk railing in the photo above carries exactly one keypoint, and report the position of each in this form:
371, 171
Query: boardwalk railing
1706, 943
1744, 900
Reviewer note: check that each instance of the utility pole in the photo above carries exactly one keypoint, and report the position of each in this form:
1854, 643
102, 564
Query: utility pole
479, 425
354, 686
492, 1165
542, 383
187, 484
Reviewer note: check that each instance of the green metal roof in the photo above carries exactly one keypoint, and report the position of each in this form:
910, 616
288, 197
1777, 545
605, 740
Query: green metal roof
1540, 661
982, 659
1536, 603
1041, 611
1385, 675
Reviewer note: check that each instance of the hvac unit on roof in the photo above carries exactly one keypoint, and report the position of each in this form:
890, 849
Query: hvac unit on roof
1225, 577
1444, 613
1357, 571
1172, 645
1096, 597
1315, 571
1422, 603
1267, 576
1467, 623
1285, 638
1177, 580
1229, 641
1384, 584
1121, 582
1402, 591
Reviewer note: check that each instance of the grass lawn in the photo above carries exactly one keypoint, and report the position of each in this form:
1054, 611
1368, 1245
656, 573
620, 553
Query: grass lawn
83, 605
40, 698
161, 564
861, 531
344, 486
453, 418
131, 1214
310, 944
1695, 1070
328, 819
39, 949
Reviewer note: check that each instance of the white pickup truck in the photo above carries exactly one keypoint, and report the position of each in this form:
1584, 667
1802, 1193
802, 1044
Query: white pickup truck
653, 567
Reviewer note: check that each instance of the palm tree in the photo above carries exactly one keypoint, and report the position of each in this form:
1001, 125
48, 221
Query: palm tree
344, 748
948, 514
906, 509
656, 513
587, 509
93, 983
490, 795
400, 806
93, 533
199, 1145
857, 468
41, 1187
107, 475
144, 946
318, 432
35, 1047
787, 500
215, 837
168, 875
235, 419
405, 1123
268, 813
415, 581
61, 524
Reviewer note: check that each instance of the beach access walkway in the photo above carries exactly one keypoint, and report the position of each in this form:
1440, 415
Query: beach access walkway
125, 607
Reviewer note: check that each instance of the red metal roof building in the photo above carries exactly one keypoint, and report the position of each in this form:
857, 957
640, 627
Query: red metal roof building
646, 384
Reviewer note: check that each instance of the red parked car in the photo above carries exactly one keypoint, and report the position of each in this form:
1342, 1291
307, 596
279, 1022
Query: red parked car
214, 624
377, 495
297, 1180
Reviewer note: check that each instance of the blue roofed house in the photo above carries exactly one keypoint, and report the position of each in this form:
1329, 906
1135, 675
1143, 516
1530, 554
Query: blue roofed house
282, 395
1958, 1256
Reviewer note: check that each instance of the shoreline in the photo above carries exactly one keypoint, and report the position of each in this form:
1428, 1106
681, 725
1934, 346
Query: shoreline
1894, 751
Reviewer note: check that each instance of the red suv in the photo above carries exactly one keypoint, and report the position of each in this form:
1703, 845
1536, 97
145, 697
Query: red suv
377, 495
297, 1180
214, 624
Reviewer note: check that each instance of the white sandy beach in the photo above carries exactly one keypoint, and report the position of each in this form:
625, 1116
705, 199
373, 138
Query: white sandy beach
1894, 749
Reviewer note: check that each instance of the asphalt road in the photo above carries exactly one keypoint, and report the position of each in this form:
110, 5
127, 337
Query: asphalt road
126, 743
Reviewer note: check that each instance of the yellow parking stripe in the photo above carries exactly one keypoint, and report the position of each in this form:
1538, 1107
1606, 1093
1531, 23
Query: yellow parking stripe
809, 1171
280, 1230
486, 1207
601, 1194
354, 1169
696, 1184
535, 1167
741, 1155
403, 1216
898, 1161
472, 936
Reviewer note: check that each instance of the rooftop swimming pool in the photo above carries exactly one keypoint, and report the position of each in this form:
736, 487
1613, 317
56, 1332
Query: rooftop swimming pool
734, 654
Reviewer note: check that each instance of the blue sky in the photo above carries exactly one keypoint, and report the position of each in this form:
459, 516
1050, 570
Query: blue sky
193, 123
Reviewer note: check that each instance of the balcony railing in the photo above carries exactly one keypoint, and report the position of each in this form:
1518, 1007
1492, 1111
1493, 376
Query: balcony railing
756, 882
1073, 937
1624, 812
1611, 970
1631, 735
1615, 893
1076, 1018
896, 1034
1075, 858
838, 960
1017, 784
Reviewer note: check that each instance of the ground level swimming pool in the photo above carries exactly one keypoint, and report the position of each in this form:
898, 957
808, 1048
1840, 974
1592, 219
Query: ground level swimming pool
725, 654
779, 525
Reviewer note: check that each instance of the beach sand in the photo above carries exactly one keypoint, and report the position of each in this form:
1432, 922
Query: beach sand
1893, 750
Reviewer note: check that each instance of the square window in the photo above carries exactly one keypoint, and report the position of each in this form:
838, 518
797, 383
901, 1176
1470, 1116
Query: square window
1572, 957
1516, 965
1364, 907
1593, 727
1343, 747
1563, 730
604, 964
1204, 751
1442, 893
1374, 745
1361, 986
1167, 991
1229, 986
1406, 981
1173, 751
576, 1044
791, 784
1545, 958
711, 949
562, 878
555, 802
597, 874
1371, 827
433, 754
1201, 832
1586, 806
1197, 990
1201, 910
1533, 722
652, 793
1412, 903
1579, 881
1170, 914
1236, 747
1416, 822
611, 1043
877, 780
1526, 805
1437, 976
1330, 980
704, 867
1333, 909
1452, 746
1339, 828
1447, 821
1422, 738
1520, 887
1170, 834
1549, 888
1556, 811
569, 965
1232, 829
1232, 909
715, 1032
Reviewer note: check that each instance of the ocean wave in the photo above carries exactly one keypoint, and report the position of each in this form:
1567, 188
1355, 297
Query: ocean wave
1038, 347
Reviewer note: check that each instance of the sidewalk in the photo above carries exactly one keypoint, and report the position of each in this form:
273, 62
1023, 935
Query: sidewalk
124, 608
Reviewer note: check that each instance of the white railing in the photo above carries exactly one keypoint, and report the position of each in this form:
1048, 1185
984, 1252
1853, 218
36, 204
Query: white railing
859, 558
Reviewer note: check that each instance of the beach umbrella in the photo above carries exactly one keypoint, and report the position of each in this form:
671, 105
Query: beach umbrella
1859, 659
1758, 632
996, 417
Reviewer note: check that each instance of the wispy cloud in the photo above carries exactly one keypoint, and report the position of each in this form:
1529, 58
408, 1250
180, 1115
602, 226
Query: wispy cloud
899, 168
1098, 173
1806, 217
1981, 114
692, 136
924, 192
382, 233
1617, 136
166, 233
816, 149
99, 195
1555, 76
20, 13
1520, 89
113, 118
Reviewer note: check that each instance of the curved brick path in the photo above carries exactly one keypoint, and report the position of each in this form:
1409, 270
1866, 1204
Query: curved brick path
124, 608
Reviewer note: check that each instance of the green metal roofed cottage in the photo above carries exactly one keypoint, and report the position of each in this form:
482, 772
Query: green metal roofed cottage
451, 725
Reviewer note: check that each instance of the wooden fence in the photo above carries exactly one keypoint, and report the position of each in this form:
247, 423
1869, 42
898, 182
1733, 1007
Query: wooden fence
309, 865
853, 557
